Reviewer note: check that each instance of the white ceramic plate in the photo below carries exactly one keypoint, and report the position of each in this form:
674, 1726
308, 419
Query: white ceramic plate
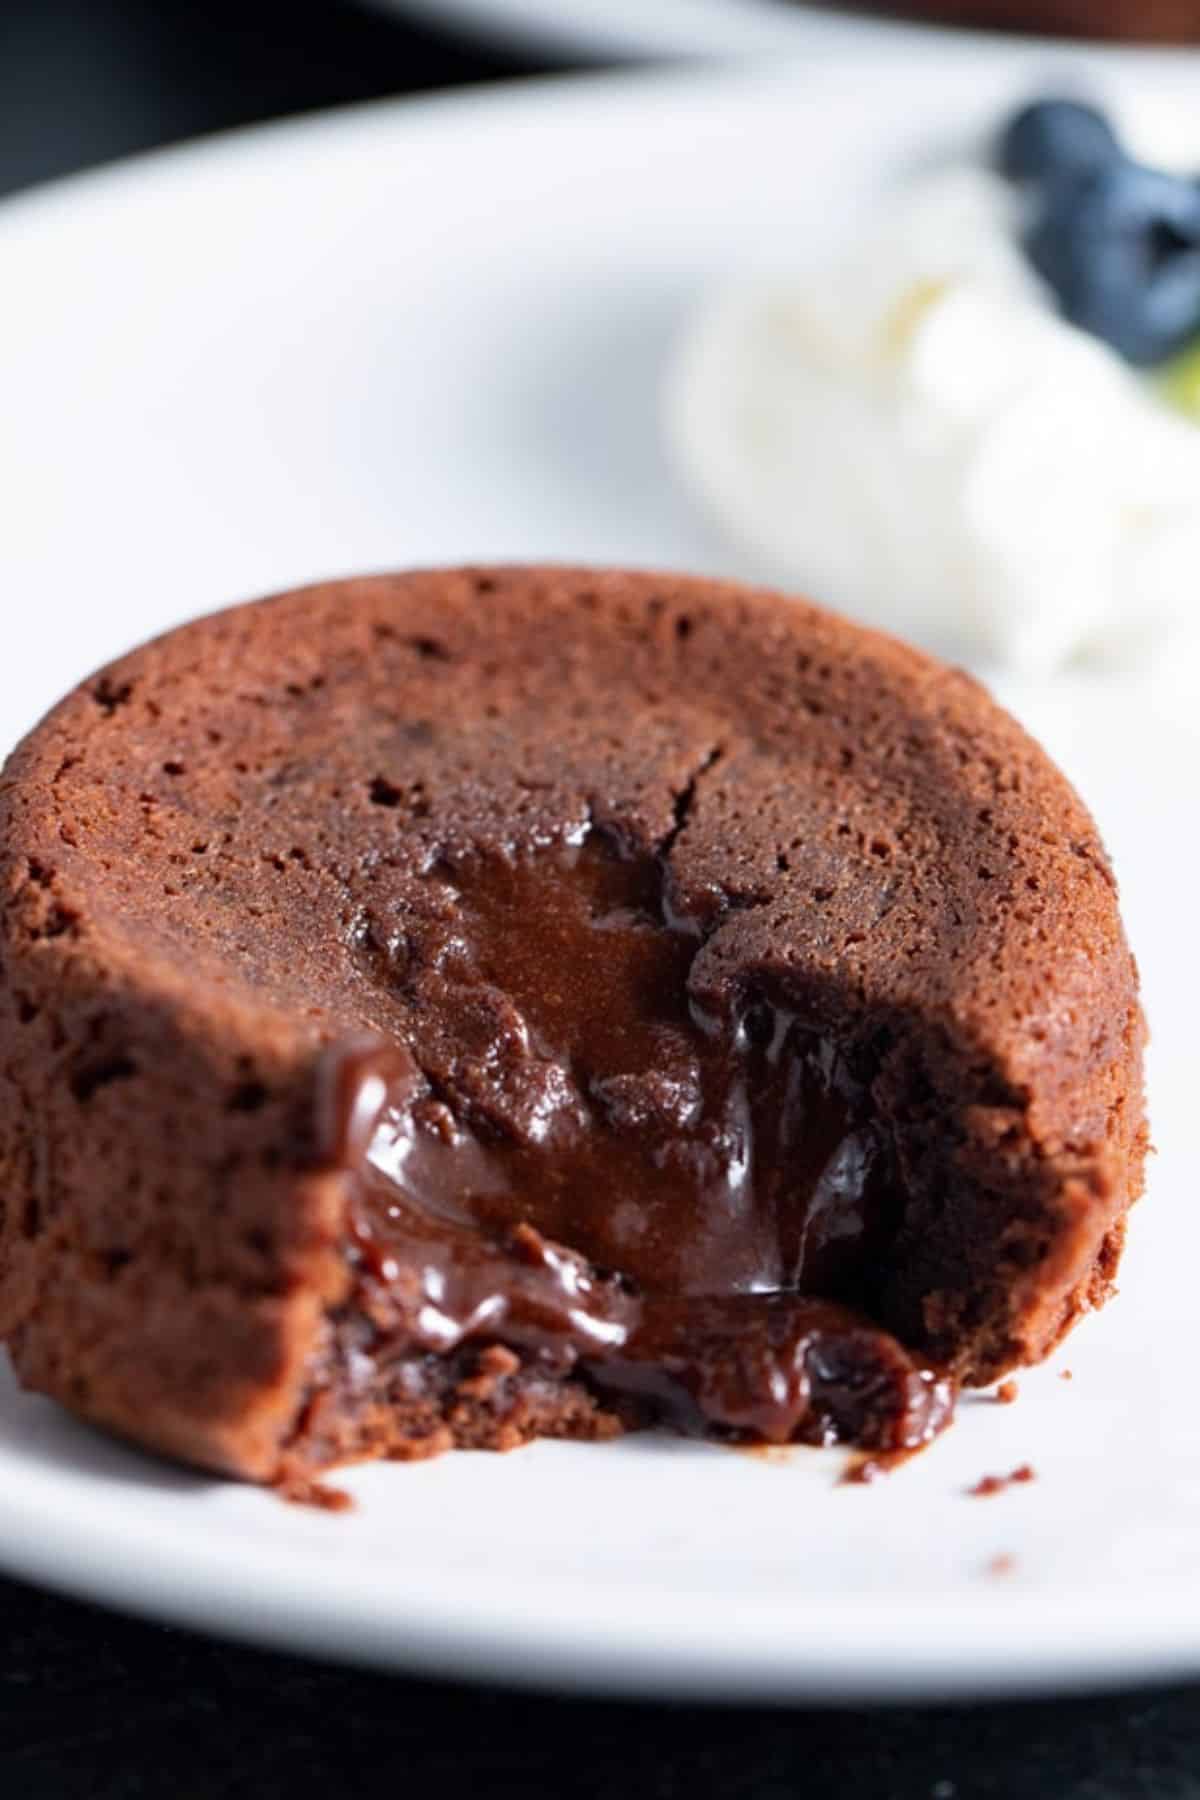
657, 28
416, 333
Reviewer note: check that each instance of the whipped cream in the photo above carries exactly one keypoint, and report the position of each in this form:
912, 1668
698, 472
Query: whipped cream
913, 434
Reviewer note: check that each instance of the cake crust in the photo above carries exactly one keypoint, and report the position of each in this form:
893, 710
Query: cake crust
207, 856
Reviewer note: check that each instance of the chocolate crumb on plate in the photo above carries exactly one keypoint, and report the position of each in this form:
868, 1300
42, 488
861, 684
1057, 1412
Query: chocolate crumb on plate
996, 1484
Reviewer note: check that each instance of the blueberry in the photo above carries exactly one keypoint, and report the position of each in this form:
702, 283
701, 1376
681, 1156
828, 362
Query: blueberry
1052, 137
1120, 246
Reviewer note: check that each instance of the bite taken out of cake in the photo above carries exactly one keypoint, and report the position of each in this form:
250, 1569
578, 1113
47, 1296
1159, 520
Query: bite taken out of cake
460, 1007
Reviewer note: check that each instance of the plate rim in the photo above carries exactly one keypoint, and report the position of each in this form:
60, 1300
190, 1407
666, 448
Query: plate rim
702, 1652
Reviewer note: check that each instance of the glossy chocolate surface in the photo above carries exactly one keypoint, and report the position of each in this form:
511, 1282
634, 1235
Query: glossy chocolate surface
571, 1158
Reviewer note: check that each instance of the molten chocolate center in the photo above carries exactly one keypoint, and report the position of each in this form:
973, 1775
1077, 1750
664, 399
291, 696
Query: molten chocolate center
572, 1158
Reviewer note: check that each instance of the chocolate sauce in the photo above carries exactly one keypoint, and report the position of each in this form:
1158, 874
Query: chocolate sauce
570, 1156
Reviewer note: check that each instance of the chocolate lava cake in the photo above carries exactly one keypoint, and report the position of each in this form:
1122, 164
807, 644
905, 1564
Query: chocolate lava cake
455, 1008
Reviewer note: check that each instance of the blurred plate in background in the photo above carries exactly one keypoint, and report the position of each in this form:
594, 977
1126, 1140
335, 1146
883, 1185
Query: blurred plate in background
660, 28
691, 28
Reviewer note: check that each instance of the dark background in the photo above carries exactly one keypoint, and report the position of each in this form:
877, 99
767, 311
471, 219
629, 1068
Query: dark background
94, 1707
